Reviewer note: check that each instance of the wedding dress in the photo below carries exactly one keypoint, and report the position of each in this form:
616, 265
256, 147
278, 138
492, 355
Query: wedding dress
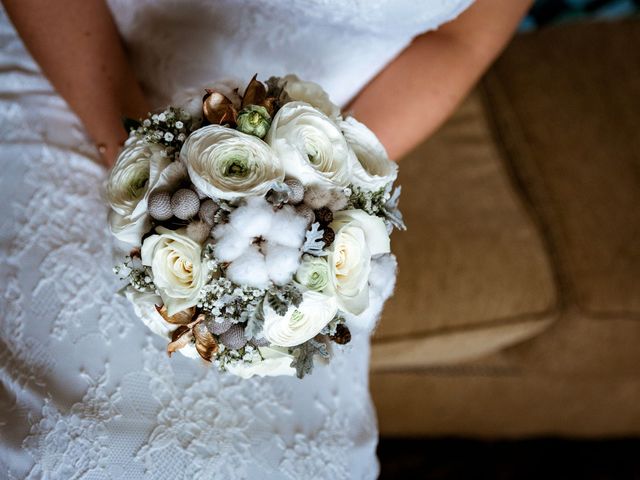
87, 392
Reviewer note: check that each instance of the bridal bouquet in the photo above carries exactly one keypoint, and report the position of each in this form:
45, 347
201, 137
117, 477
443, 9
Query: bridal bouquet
257, 225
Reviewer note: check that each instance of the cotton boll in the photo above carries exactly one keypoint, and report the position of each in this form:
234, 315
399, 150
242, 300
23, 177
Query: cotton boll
249, 269
282, 262
252, 219
230, 243
316, 197
288, 228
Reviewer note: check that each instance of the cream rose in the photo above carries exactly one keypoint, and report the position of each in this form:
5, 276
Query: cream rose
135, 173
178, 271
301, 323
359, 236
275, 361
227, 164
311, 93
311, 146
372, 169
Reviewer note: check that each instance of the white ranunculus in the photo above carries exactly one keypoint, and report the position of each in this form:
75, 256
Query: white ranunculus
276, 361
227, 164
144, 306
311, 146
135, 173
313, 273
359, 236
178, 271
372, 169
311, 93
300, 323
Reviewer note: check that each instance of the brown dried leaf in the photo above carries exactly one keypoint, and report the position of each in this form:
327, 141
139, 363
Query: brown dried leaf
180, 338
206, 343
255, 93
181, 318
218, 109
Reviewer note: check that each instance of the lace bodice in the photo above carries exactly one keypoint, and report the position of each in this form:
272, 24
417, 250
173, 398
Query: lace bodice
87, 393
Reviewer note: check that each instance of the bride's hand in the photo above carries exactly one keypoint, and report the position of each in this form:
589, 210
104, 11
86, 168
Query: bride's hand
78, 47
410, 98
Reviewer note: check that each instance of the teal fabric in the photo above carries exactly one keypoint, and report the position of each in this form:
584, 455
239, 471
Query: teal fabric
545, 12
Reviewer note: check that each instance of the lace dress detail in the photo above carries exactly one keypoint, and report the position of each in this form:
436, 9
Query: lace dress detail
85, 391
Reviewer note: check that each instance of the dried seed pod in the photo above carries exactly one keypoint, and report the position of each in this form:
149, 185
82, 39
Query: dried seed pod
185, 203
218, 328
159, 205
324, 215
181, 318
342, 335
198, 231
180, 338
328, 236
306, 212
206, 344
218, 109
297, 190
255, 93
208, 210
234, 337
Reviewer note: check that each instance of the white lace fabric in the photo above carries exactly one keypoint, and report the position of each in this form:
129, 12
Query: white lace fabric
86, 392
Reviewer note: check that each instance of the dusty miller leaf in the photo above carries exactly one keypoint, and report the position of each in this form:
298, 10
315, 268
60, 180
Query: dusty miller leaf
391, 211
313, 243
281, 298
256, 321
303, 356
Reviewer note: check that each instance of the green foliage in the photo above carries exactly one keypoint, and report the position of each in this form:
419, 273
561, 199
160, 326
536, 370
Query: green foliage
303, 356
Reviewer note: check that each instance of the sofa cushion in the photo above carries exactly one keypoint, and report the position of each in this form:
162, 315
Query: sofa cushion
566, 104
473, 274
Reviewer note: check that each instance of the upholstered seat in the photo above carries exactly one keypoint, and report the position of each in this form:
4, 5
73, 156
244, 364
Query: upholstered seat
517, 309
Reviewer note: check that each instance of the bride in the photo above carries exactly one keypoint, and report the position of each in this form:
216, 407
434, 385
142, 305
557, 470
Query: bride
86, 392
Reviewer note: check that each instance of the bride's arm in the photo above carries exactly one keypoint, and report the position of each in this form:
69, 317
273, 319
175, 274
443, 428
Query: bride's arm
78, 47
409, 99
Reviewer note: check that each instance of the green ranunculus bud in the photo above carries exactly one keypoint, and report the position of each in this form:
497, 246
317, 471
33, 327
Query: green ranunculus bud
254, 120
313, 273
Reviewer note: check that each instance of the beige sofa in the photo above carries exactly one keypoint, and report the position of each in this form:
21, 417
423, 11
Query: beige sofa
517, 308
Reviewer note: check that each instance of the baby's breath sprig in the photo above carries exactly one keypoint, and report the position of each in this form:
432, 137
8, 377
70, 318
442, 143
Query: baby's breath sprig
137, 275
169, 128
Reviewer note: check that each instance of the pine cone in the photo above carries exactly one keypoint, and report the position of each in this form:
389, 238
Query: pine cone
329, 236
324, 215
342, 335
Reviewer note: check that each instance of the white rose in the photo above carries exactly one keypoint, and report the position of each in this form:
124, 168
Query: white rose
135, 173
372, 169
227, 164
311, 93
144, 306
359, 236
311, 146
301, 323
178, 271
276, 361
